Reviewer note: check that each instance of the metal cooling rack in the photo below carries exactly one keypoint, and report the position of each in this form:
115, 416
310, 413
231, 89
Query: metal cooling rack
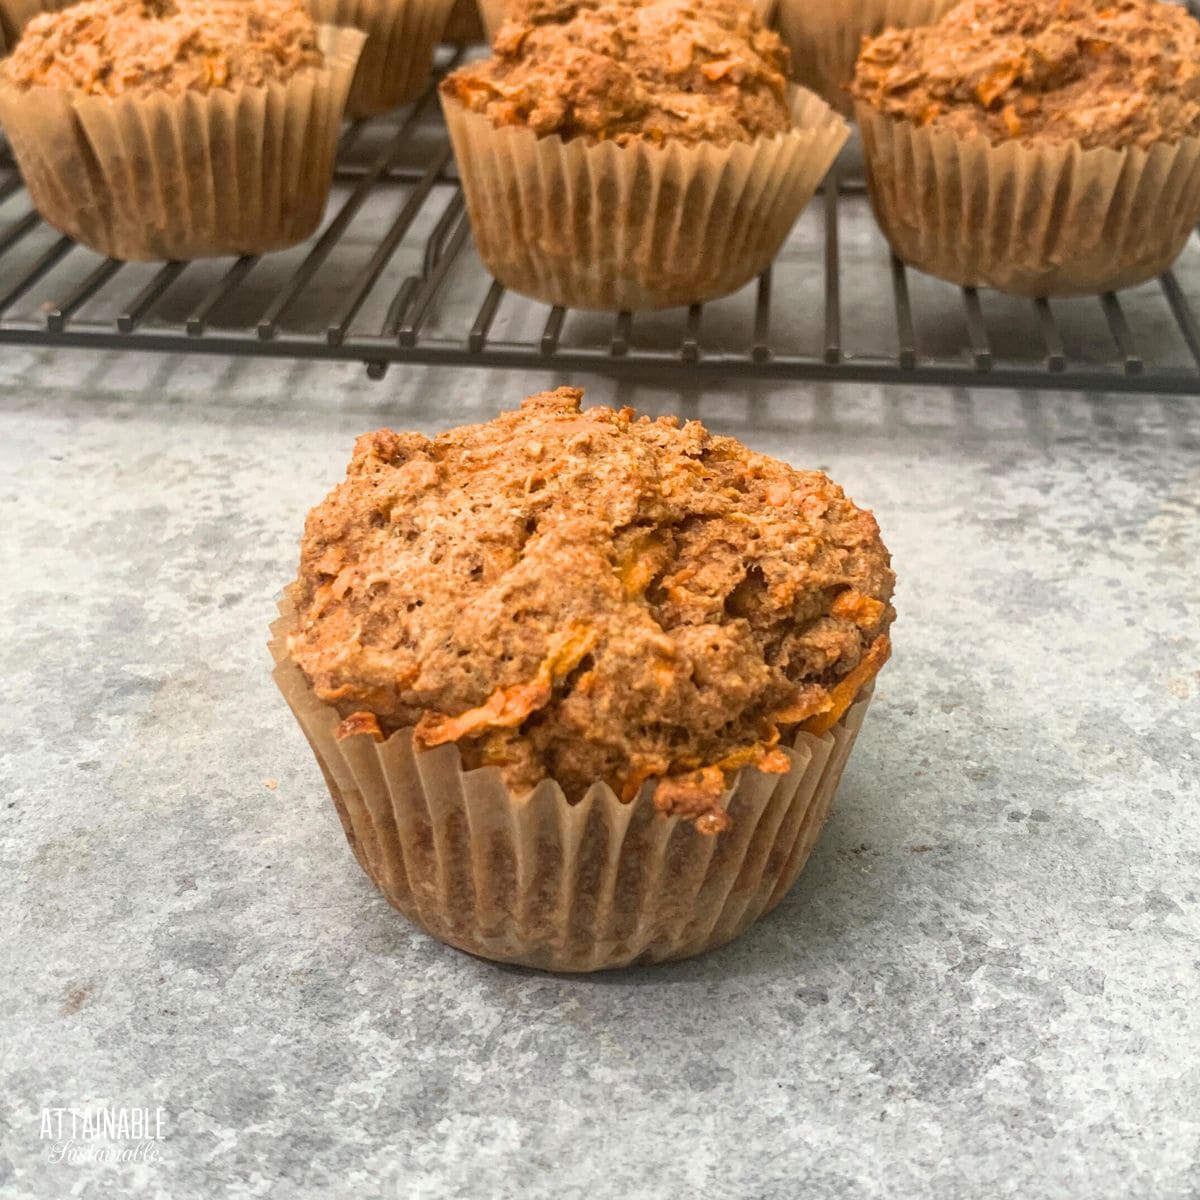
392, 277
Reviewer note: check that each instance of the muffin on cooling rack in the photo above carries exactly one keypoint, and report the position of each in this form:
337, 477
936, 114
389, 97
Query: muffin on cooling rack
174, 129
1042, 148
634, 154
582, 684
397, 59
825, 37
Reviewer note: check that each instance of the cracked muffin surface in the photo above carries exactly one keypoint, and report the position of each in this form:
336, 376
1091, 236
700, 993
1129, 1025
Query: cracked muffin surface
632, 70
590, 596
1113, 73
116, 47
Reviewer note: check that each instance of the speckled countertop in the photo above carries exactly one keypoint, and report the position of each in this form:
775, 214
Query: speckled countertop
986, 983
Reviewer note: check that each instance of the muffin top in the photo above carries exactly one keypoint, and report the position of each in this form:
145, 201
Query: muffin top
1111, 73
632, 70
590, 595
115, 47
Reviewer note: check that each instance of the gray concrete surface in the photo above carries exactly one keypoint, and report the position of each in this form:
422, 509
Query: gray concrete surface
986, 983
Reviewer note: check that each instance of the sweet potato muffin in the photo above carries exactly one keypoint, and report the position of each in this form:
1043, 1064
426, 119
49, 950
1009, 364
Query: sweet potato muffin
623, 70
1122, 73
591, 601
150, 129
114, 47
634, 153
1071, 124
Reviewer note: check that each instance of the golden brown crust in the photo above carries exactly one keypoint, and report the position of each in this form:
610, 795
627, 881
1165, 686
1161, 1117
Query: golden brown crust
590, 596
1110, 73
116, 47
632, 70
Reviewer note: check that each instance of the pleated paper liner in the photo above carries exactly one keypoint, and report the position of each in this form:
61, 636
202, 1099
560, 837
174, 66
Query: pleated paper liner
148, 177
602, 226
397, 60
564, 887
465, 24
493, 13
1038, 219
825, 37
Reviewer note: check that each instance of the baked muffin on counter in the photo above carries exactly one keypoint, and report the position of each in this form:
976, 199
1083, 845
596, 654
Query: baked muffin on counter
1043, 147
631, 154
545, 661
152, 129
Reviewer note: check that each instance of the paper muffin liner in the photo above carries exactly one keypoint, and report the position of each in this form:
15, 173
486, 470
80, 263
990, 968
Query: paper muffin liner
493, 12
147, 177
1037, 219
465, 23
536, 880
825, 37
397, 61
602, 226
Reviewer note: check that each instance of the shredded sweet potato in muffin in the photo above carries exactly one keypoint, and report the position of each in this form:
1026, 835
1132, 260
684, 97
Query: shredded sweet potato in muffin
591, 596
632, 70
1110, 73
114, 47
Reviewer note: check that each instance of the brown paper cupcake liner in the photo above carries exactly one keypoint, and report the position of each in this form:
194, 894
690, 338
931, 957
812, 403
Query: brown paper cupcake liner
492, 14
602, 226
564, 887
397, 60
825, 38
493, 11
464, 24
148, 177
1037, 219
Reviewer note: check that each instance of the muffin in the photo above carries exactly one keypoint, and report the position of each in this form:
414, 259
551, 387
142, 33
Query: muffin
634, 154
582, 684
825, 38
176, 129
1045, 149
397, 60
